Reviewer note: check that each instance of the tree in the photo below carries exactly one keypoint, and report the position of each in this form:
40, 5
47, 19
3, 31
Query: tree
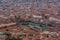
19, 38
8, 36
44, 27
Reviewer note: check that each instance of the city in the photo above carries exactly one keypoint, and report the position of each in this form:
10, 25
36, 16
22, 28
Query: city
29, 19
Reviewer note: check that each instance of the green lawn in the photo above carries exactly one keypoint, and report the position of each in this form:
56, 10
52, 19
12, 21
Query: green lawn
25, 24
34, 24
44, 27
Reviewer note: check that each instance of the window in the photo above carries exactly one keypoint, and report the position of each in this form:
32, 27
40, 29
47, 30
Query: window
39, 0
26, 1
30, 38
15, 0
46, 17
37, 39
0, 1
50, 25
7, 30
31, 35
58, 0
